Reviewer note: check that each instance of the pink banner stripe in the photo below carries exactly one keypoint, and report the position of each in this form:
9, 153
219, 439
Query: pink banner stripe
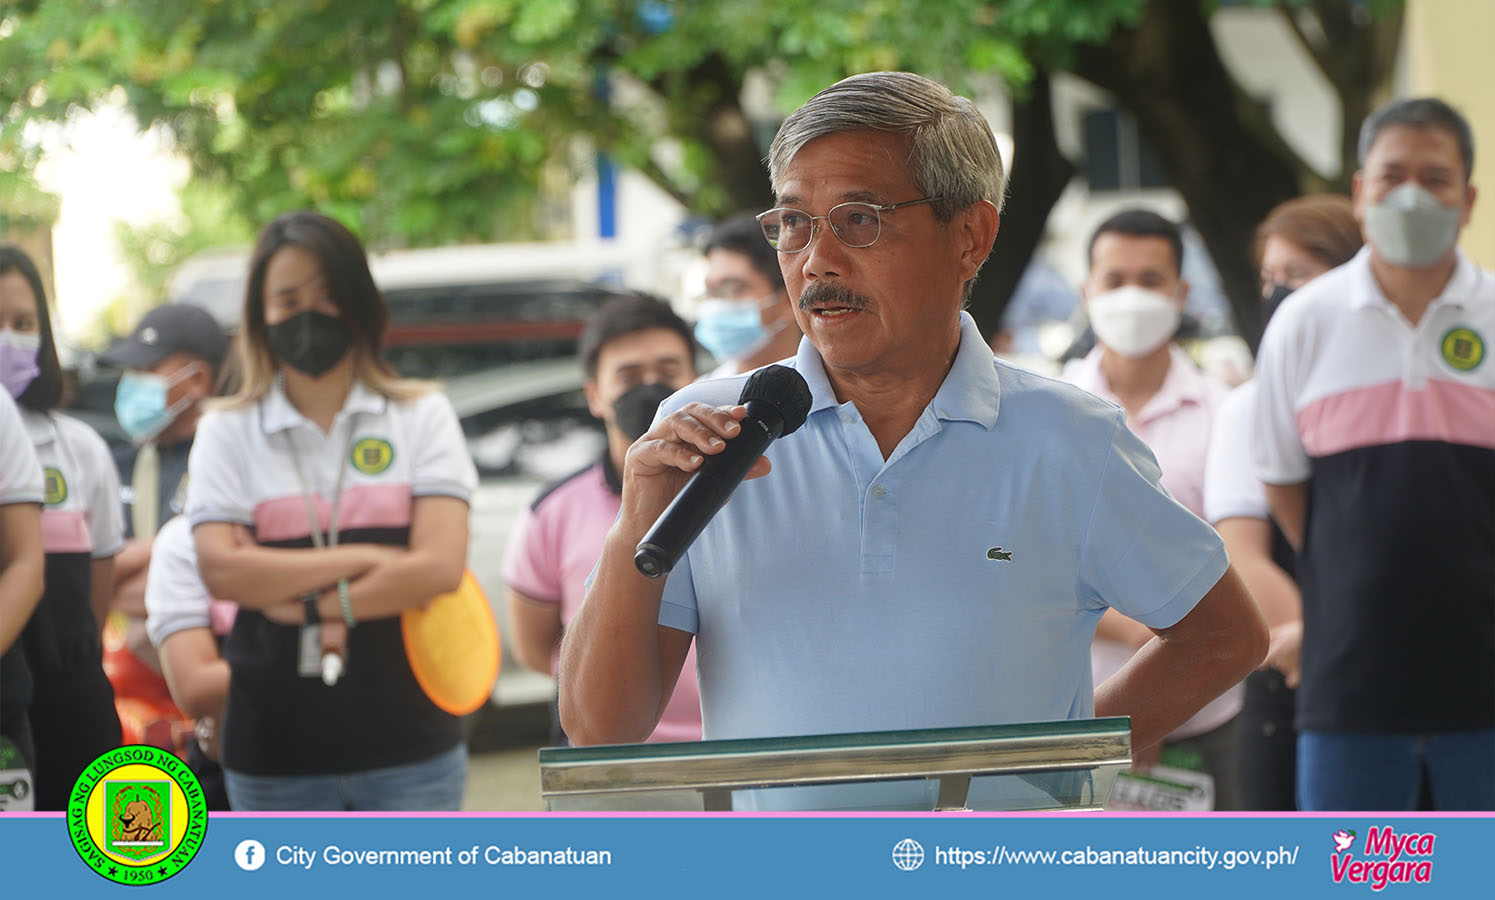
1392, 413
66, 531
367, 506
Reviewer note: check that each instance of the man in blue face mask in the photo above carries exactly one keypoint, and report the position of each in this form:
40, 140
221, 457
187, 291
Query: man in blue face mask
745, 320
171, 362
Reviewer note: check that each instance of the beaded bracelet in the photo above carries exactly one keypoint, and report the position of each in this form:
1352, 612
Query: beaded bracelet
345, 602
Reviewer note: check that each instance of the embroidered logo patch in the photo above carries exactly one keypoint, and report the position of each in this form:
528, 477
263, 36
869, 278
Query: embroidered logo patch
1000, 555
372, 455
1463, 349
54, 486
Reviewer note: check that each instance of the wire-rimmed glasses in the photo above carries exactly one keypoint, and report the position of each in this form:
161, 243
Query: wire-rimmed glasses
855, 224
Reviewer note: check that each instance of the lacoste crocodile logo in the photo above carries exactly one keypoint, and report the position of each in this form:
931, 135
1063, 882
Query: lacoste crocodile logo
1000, 555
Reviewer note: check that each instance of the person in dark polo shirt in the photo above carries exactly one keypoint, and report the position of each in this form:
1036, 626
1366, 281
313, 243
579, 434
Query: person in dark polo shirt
172, 362
1376, 442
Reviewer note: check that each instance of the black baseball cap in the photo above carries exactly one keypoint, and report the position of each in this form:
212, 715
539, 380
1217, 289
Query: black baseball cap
167, 329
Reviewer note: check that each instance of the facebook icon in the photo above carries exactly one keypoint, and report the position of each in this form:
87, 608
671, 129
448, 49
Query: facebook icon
250, 855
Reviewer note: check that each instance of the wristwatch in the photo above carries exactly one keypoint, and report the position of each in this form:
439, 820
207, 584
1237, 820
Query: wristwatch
309, 605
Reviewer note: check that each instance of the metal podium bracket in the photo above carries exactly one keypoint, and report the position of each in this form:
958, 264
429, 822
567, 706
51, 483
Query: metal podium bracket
953, 791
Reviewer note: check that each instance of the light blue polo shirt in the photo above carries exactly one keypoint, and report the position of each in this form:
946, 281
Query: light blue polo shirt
958, 582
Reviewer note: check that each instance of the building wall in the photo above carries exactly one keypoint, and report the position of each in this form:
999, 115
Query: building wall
1448, 55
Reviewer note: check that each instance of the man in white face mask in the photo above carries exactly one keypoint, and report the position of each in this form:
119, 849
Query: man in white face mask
1134, 295
745, 320
1376, 441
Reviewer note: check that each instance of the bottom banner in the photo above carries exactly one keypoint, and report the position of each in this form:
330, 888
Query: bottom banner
1100, 855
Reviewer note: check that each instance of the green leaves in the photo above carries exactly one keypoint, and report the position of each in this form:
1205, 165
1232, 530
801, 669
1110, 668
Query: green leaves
433, 121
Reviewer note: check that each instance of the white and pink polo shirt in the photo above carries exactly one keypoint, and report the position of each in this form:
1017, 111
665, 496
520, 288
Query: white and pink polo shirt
554, 548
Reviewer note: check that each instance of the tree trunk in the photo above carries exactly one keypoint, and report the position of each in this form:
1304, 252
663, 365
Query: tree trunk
1040, 172
705, 106
1230, 166
1356, 53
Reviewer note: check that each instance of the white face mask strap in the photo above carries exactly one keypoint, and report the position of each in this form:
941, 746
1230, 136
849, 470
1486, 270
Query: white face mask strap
174, 379
766, 301
774, 297
182, 374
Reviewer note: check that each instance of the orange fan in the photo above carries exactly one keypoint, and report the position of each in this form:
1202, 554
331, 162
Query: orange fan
452, 644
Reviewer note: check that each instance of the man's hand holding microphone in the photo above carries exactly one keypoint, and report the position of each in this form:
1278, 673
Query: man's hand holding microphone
618, 665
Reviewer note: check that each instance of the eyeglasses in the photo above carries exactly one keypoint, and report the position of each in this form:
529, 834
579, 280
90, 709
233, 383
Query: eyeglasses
854, 224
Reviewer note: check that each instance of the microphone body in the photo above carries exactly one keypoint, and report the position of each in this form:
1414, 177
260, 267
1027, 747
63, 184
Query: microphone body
707, 491
777, 401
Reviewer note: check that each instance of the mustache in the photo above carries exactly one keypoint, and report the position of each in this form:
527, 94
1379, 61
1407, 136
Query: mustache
821, 293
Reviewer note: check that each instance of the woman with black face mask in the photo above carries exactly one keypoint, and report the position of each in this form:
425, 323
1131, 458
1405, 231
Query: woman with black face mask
329, 496
1298, 241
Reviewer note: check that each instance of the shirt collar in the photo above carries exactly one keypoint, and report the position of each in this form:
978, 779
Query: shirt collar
1184, 384
1456, 293
39, 427
970, 391
278, 414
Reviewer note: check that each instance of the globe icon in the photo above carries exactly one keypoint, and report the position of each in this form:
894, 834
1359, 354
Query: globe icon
908, 854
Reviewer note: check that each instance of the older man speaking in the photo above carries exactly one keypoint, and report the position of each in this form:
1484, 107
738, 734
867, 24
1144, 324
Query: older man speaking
935, 545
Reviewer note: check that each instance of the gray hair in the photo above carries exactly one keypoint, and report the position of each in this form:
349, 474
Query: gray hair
1420, 112
952, 156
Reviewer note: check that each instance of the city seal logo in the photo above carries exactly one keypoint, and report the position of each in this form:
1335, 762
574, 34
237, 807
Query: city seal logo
54, 486
372, 455
1463, 349
137, 815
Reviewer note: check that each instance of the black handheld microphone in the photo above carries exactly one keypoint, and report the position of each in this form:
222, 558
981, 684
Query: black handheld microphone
777, 401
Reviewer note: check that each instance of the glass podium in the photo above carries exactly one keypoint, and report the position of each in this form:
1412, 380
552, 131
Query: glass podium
1030, 766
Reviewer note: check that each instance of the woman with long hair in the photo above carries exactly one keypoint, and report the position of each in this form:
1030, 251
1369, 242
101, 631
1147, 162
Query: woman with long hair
328, 496
1298, 241
71, 713
21, 564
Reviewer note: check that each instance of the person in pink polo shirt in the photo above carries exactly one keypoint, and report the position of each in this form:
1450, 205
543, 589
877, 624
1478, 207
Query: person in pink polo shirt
636, 352
1135, 295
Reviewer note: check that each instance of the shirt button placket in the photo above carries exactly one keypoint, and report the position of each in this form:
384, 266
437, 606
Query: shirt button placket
878, 548
1415, 368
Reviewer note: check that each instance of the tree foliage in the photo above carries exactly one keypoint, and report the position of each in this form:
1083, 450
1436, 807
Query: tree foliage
428, 121
425, 122
153, 250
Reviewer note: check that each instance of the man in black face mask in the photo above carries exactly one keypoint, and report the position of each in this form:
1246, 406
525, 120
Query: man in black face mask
637, 352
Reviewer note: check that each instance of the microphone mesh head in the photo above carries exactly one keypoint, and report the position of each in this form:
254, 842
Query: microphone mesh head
784, 389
